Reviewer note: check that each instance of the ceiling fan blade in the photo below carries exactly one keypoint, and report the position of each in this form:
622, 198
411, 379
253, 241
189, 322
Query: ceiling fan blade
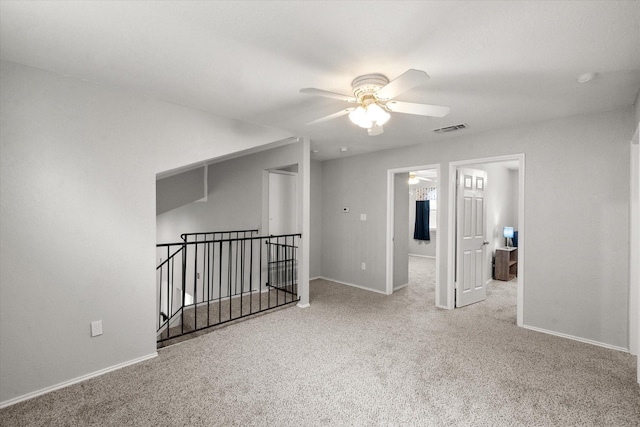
332, 116
423, 178
402, 83
418, 109
327, 94
375, 130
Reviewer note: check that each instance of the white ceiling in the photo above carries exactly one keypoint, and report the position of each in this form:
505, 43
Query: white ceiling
497, 64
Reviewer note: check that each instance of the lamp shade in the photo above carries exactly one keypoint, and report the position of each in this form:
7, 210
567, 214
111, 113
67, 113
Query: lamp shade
376, 114
359, 117
508, 232
369, 115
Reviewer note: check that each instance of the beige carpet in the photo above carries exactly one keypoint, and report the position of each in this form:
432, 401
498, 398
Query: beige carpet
357, 358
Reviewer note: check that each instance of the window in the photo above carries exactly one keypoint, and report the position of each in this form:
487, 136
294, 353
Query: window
431, 194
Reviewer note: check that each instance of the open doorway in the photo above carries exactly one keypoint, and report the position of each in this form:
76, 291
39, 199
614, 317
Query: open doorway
422, 229
504, 203
283, 202
405, 187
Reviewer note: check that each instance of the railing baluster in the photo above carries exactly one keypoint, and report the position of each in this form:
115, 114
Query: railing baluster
170, 288
168, 313
269, 273
220, 285
229, 278
278, 278
195, 287
251, 276
260, 273
208, 283
184, 284
241, 274
160, 301
235, 282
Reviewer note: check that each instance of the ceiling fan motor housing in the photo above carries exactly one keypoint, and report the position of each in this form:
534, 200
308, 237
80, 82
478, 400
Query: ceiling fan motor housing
367, 85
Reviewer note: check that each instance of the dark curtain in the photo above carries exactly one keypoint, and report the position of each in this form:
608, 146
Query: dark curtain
421, 231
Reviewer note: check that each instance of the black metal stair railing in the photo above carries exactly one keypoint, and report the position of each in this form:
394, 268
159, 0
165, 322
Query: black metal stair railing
217, 235
216, 277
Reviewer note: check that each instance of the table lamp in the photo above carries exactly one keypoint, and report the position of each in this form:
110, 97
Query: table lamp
508, 235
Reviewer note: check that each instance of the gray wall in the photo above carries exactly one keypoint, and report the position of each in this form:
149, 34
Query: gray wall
77, 179
315, 249
636, 106
514, 196
400, 237
234, 199
347, 241
178, 190
577, 273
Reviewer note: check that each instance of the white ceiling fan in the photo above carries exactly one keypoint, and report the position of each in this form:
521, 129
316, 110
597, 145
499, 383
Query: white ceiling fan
374, 94
415, 179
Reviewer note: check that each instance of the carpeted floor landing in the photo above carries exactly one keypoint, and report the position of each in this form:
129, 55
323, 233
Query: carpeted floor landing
358, 358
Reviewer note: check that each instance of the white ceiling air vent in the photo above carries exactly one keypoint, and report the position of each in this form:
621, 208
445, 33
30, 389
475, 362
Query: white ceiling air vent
451, 128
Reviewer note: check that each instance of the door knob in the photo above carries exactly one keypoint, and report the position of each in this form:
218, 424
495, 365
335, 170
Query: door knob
485, 243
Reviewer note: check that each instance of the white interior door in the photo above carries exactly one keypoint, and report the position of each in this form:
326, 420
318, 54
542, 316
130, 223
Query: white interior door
283, 203
471, 241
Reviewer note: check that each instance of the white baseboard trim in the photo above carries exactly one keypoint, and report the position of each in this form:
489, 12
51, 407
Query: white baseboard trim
303, 305
352, 285
75, 380
423, 256
572, 337
315, 278
400, 287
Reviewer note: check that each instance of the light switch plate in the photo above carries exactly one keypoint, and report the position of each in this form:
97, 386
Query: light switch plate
96, 328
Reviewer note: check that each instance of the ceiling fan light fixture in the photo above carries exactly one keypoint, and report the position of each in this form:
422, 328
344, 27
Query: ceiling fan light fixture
359, 117
413, 179
377, 115
368, 116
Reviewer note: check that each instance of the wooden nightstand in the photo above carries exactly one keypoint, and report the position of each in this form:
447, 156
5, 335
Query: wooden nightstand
506, 263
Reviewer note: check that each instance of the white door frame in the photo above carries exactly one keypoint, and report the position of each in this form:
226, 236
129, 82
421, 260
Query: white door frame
453, 167
390, 222
634, 250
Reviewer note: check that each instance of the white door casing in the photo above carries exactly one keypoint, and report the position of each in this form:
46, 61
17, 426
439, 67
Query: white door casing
471, 241
391, 173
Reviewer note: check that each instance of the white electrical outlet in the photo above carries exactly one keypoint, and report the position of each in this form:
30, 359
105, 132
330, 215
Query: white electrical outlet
363, 266
363, 217
96, 328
